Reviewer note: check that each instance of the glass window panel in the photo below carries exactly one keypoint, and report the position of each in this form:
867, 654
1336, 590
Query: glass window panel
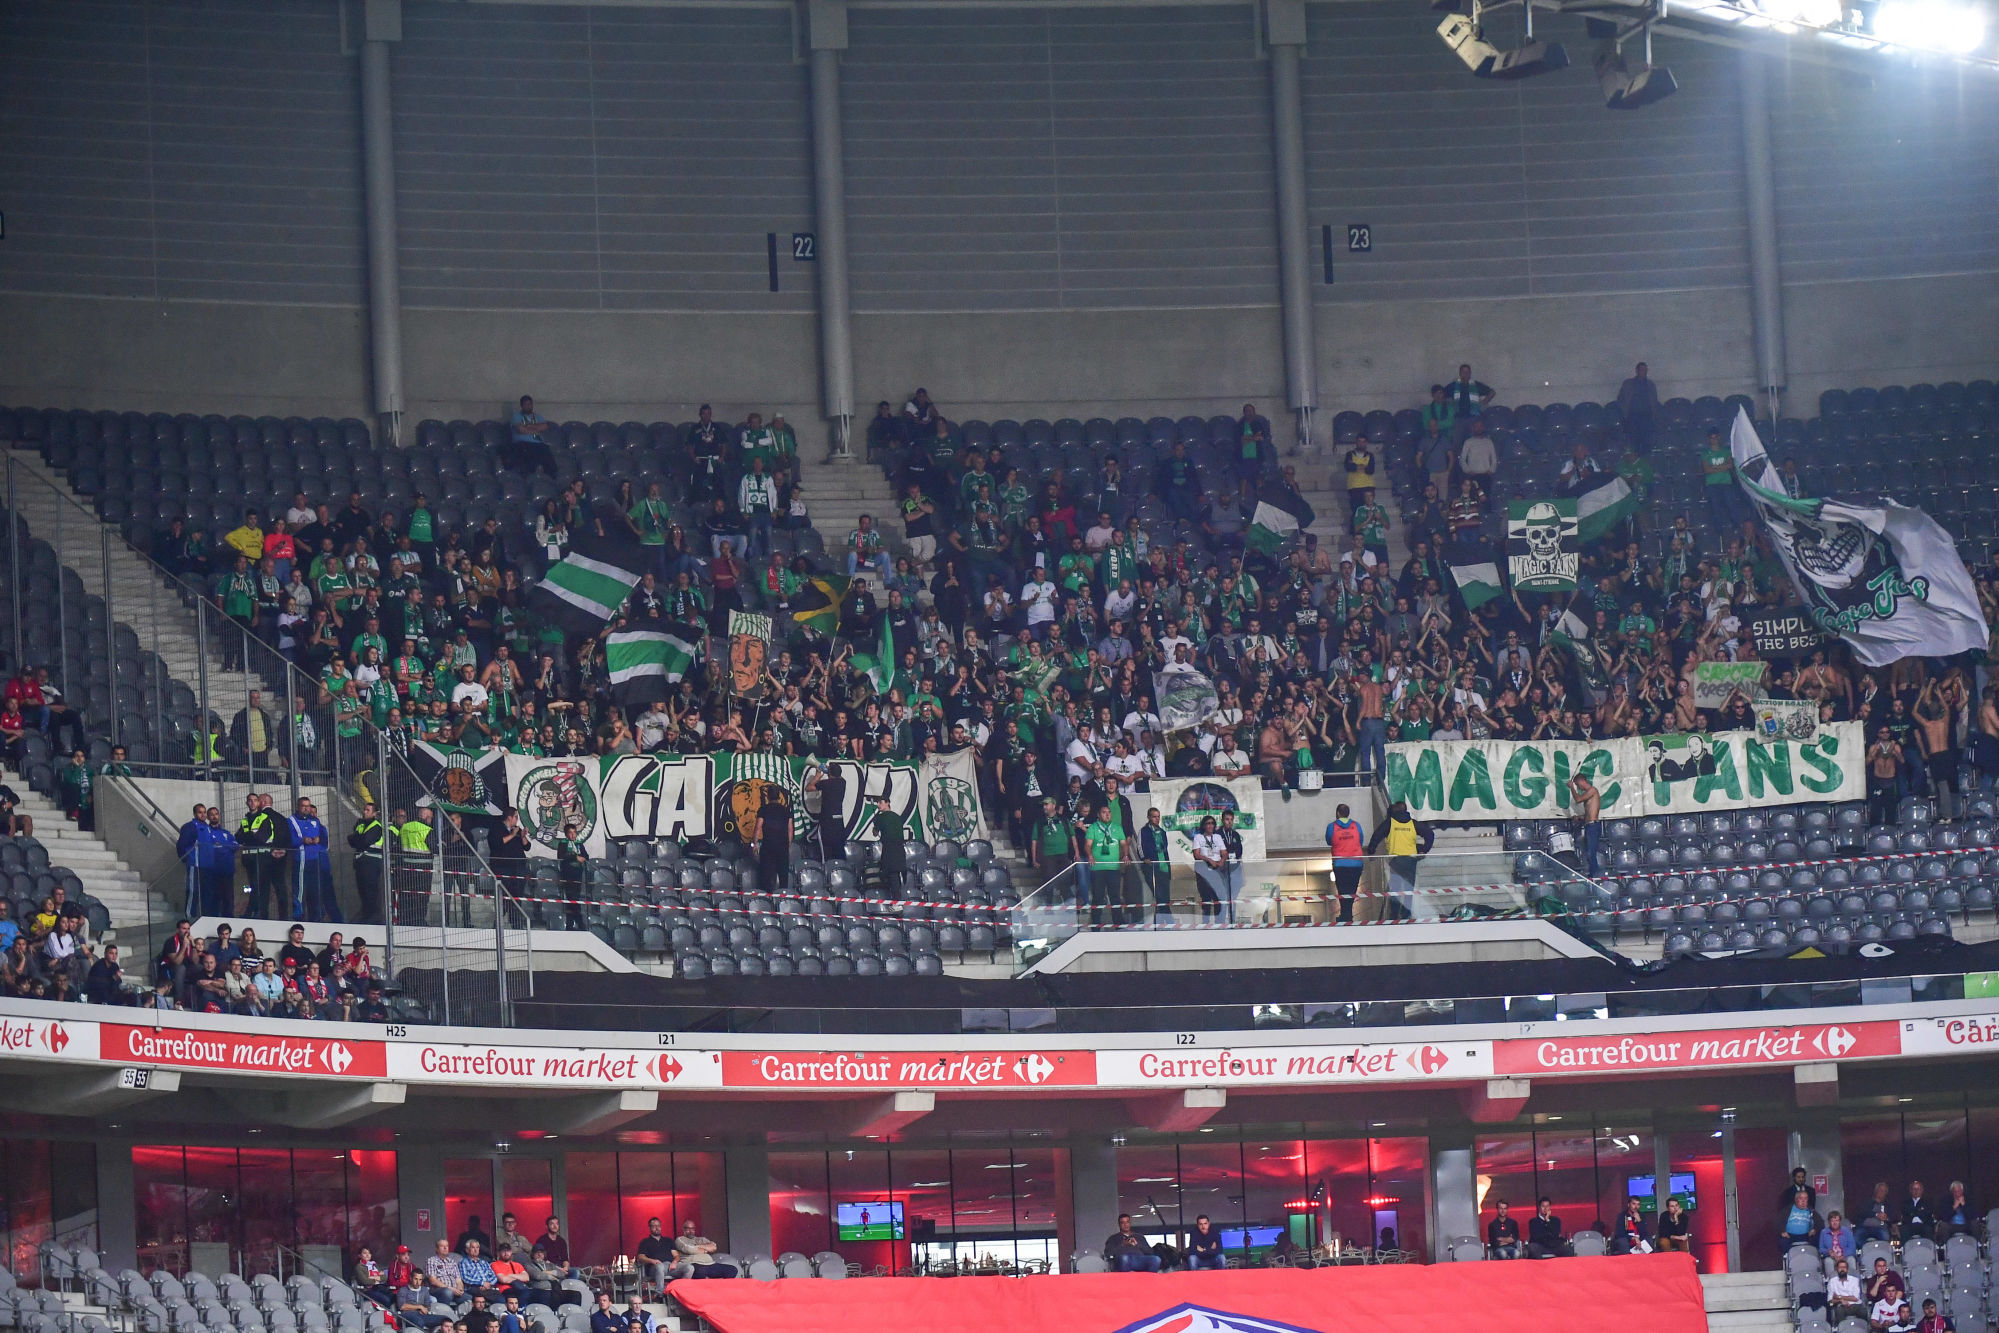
374, 1202
1273, 1189
1037, 1185
30, 1204
982, 1198
1870, 1153
1148, 1187
1336, 1180
1762, 1172
159, 1204
1934, 1145
644, 1191
700, 1179
1400, 1168
859, 1177
799, 1217
1505, 1171
263, 1208
468, 1195
590, 1181
1621, 1153
921, 1182
527, 1190
1984, 1179
73, 1182
215, 1202
1211, 1183
319, 1186
1699, 1153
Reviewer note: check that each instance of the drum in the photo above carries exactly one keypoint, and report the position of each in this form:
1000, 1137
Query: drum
1311, 779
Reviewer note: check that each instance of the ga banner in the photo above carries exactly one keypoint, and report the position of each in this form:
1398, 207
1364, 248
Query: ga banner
1183, 802
1543, 550
640, 797
1634, 775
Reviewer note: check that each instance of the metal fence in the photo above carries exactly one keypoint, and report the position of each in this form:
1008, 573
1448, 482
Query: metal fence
156, 681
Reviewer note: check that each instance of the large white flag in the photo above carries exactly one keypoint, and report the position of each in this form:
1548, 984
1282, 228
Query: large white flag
1882, 576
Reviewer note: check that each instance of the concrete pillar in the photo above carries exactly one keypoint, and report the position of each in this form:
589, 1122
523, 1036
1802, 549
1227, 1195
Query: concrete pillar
1766, 274
1453, 1188
1284, 33
382, 24
748, 1171
117, 1220
827, 24
1815, 1145
1092, 1194
420, 1187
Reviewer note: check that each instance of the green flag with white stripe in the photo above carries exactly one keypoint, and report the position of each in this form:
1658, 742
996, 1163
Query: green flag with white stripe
1477, 583
643, 662
587, 586
1603, 507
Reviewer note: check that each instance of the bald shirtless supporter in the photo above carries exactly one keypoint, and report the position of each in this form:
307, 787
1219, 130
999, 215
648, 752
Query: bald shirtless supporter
1587, 805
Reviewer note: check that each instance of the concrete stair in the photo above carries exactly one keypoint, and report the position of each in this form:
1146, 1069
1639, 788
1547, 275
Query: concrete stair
139, 596
139, 912
1329, 525
1746, 1303
1464, 859
837, 495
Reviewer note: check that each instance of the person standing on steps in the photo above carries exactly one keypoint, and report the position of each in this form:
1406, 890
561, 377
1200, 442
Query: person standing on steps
1587, 804
1347, 844
1405, 842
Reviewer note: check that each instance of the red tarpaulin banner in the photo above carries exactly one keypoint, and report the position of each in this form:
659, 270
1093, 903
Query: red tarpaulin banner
1657, 1293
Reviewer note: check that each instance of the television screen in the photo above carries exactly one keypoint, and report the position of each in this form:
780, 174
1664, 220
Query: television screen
877, 1219
1645, 1190
1254, 1238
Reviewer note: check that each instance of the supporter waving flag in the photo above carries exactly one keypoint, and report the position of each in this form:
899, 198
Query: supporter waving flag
1882, 576
643, 662
586, 587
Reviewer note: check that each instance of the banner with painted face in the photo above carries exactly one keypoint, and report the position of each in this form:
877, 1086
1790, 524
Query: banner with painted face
1184, 802
1634, 775
600, 800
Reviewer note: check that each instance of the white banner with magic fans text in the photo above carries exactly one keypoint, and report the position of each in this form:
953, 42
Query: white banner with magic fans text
1634, 775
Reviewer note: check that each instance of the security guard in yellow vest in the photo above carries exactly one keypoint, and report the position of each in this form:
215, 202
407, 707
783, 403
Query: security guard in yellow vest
414, 836
368, 840
255, 836
1404, 840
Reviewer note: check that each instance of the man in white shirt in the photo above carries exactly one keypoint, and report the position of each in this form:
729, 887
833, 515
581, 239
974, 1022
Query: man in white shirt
1151, 756
1037, 596
1842, 1294
1099, 537
1080, 760
1179, 650
756, 499
1123, 764
1356, 560
1228, 760
301, 512
1120, 601
1139, 723
1477, 458
468, 689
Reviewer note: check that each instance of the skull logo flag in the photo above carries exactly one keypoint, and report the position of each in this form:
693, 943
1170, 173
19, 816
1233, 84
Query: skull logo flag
1543, 550
1880, 575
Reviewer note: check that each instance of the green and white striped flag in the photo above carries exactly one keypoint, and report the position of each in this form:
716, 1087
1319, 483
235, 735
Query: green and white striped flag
1477, 583
1604, 507
643, 662
1279, 513
586, 587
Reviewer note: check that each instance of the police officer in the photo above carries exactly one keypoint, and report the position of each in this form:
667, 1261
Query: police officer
314, 892
253, 842
414, 835
367, 840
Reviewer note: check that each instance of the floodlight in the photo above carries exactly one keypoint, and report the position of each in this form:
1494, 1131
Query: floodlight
1627, 87
1462, 34
1930, 25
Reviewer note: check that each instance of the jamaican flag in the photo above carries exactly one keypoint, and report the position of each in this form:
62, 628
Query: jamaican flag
816, 605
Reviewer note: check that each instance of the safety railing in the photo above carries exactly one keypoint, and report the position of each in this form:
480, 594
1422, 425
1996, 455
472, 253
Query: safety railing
162, 685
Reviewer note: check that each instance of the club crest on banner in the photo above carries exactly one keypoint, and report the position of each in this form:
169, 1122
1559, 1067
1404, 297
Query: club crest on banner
1190, 1318
552, 796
